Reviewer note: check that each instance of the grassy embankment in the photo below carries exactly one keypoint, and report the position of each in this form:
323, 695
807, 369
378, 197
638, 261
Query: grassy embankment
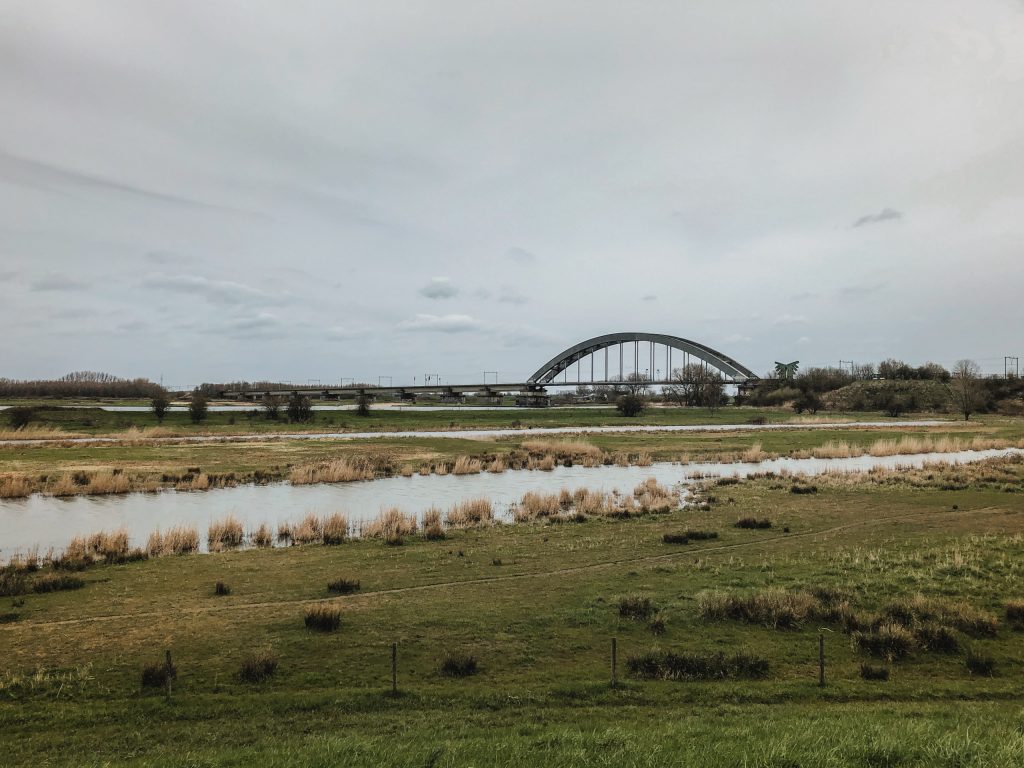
149, 465
536, 605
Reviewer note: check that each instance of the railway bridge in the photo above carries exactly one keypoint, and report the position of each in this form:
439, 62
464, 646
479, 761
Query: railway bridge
613, 359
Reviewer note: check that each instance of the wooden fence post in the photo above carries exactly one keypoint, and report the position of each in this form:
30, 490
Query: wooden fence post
821, 660
394, 669
168, 668
615, 663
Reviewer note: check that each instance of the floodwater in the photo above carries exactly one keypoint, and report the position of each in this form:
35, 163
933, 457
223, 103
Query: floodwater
46, 521
485, 434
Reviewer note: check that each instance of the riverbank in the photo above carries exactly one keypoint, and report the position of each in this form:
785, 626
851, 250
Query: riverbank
535, 605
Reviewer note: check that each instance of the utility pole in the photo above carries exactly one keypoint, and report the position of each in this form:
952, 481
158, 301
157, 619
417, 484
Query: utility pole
1011, 366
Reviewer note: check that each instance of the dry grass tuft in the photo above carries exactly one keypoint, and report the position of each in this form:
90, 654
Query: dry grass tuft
392, 525
15, 487
263, 537
258, 666
310, 530
562, 449
323, 618
225, 534
464, 465
433, 528
343, 470
469, 513
335, 528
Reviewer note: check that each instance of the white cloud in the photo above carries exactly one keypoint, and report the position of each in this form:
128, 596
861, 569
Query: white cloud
58, 282
225, 291
510, 295
787, 319
441, 323
439, 288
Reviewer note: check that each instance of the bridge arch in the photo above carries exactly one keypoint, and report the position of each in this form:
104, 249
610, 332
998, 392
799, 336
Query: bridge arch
729, 367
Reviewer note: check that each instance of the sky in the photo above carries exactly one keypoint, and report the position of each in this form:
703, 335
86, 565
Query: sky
305, 191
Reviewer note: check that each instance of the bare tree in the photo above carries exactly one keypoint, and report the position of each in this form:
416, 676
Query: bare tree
965, 387
712, 390
160, 402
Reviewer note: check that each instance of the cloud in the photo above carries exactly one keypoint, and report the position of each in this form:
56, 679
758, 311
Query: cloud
788, 319
521, 255
509, 295
439, 288
345, 333
218, 291
862, 290
804, 340
40, 175
649, 297
54, 281
737, 338
886, 214
803, 296
442, 323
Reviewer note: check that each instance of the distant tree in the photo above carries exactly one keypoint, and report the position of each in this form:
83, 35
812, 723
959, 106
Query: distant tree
300, 409
630, 404
363, 405
712, 393
809, 400
965, 387
160, 402
637, 384
271, 407
20, 416
687, 385
197, 407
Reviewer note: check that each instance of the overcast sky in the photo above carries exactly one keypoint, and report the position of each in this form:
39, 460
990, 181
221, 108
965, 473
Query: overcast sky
212, 191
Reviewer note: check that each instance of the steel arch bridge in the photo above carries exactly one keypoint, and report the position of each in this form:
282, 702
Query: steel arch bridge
534, 388
547, 373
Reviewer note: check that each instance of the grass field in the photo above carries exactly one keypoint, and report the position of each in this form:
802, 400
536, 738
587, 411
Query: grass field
536, 606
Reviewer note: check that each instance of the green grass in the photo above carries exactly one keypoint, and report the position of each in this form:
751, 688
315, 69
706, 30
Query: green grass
540, 628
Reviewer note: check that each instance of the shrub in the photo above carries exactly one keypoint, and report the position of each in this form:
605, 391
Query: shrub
751, 522
630, 405
323, 618
459, 665
57, 582
343, 586
701, 535
980, 664
12, 581
221, 589
799, 489
873, 672
156, 675
675, 538
694, 666
258, 666
635, 607
890, 641
938, 638
1015, 613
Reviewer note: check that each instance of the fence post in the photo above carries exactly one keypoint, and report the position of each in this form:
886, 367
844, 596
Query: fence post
821, 660
615, 663
394, 669
168, 666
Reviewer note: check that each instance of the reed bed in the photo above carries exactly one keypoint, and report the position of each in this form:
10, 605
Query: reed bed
262, 537
392, 525
498, 465
343, 470
472, 512
754, 454
433, 526
648, 496
15, 487
179, 540
464, 465
309, 530
225, 534
36, 432
335, 529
